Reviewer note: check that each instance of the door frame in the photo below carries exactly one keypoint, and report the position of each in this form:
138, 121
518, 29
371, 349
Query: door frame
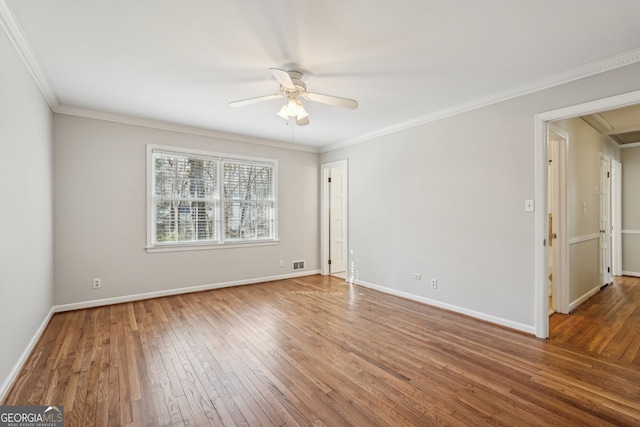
616, 218
541, 303
324, 213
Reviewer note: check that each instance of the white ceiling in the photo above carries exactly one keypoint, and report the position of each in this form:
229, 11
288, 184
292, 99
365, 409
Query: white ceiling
183, 61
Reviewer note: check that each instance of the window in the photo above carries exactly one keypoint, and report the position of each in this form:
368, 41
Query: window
248, 200
198, 199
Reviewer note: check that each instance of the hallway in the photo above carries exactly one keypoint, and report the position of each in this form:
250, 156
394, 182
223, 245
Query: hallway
606, 324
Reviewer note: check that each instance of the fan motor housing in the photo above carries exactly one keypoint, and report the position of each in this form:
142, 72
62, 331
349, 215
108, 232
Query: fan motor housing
296, 78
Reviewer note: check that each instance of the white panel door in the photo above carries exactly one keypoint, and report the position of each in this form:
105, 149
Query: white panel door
337, 224
616, 218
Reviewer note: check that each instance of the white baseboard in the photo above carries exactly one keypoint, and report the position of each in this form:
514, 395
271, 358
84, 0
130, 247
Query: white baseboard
630, 273
575, 304
529, 329
177, 291
13, 375
582, 239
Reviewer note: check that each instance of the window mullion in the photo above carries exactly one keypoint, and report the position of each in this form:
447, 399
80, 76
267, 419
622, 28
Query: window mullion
223, 201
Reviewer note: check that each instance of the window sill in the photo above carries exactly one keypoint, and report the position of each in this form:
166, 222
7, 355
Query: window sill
205, 247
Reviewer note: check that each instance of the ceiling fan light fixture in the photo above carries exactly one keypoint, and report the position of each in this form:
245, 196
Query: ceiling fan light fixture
283, 112
289, 109
293, 108
294, 89
301, 113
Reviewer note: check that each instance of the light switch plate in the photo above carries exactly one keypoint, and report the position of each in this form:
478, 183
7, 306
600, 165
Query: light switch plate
528, 206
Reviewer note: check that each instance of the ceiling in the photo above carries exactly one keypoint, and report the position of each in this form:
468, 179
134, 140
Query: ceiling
621, 124
404, 61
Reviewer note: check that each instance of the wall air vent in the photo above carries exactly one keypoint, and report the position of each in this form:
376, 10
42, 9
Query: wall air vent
297, 265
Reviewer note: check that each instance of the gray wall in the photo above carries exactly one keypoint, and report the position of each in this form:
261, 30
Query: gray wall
100, 215
446, 199
631, 211
26, 248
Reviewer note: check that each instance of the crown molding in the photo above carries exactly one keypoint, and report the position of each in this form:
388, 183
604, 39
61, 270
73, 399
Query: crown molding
632, 145
22, 46
174, 127
608, 64
605, 124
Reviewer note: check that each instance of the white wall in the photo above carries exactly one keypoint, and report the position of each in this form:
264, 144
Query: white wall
26, 248
446, 199
583, 177
631, 211
100, 215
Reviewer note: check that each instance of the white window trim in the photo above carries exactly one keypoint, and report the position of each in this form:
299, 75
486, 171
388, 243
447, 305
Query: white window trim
151, 247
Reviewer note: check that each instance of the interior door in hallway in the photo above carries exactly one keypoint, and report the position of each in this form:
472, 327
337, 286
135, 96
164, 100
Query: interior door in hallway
605, 227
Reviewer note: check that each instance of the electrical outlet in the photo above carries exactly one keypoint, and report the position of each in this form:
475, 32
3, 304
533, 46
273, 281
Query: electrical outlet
97, 283
281, 263
434, 283
417, 276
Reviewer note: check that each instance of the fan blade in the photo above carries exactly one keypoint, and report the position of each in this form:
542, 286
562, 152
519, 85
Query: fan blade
250, 101
331, 100
303, 121
283, 78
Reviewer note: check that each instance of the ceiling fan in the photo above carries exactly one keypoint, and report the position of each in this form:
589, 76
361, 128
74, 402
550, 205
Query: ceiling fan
293, 88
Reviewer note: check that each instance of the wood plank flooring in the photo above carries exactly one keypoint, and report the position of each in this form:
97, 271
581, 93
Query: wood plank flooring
314, 351
607, 324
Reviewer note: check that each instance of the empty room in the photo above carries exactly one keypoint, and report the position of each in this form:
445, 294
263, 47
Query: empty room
327, 213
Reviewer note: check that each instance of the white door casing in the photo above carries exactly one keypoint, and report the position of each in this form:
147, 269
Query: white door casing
337, 224
616, 218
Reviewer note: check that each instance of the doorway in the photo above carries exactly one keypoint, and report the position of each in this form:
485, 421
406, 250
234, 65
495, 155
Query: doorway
542, 122
334, 218
558, 274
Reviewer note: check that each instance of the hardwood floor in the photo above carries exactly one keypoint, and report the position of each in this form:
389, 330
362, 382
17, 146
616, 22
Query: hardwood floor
607, 324
314, 351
